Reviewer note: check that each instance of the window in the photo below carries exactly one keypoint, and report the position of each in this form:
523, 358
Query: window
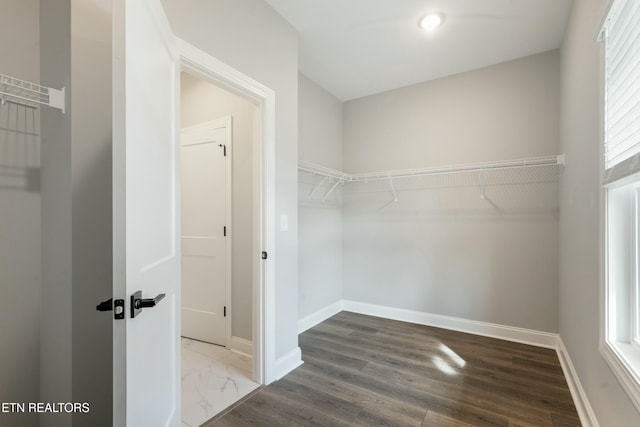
621, 182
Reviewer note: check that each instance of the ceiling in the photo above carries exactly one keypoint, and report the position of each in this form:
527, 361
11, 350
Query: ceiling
355, 48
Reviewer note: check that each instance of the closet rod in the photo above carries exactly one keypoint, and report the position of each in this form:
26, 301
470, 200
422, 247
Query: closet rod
27, 94
471, 167
406, 173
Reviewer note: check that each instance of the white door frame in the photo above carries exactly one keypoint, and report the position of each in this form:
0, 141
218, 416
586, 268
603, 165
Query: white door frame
205, 66
208, 126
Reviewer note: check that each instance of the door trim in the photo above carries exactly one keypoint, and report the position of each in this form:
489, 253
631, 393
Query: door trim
210, 125
205, 66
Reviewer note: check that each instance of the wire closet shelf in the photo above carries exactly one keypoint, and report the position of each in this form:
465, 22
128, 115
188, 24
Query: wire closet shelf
530, 162
515, 167
30, 95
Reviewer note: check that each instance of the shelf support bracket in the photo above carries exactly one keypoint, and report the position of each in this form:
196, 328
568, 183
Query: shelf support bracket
393, 190
330, 190
316, 188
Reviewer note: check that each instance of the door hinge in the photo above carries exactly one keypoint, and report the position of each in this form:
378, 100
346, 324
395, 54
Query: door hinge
224, 149
264, 255
224, 311
224, 233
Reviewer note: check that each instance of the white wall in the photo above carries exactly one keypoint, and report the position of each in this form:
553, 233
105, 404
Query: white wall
20, 273
319, 224
580, 218
251, 37
201, 102
440, 249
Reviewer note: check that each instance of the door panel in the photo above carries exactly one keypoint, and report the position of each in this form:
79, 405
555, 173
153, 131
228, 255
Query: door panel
204, 210
145, 216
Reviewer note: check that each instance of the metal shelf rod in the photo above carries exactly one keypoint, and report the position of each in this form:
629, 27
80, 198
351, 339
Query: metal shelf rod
531, 162
473, 167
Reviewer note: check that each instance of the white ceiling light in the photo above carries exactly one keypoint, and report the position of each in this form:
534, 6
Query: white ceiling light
431, 21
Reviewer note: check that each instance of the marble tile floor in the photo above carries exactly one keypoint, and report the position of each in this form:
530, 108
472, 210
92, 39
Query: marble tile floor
213, 378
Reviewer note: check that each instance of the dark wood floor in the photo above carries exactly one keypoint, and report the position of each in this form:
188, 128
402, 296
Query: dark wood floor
365, 371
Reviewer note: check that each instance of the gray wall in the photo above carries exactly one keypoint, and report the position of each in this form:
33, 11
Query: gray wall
56, 328
580, 216
20, 273
319, 224
440, 248
251, 37
202, 101
76, 340
91, 135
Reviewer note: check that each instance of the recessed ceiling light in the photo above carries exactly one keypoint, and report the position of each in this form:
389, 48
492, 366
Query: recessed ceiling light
431, 21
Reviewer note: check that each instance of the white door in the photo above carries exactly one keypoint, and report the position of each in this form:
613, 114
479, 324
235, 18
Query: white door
204, 159
146, 216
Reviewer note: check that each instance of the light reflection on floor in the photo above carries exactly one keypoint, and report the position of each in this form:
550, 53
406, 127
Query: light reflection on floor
446, 365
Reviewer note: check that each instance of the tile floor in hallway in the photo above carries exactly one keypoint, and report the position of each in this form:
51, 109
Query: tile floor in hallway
212, 379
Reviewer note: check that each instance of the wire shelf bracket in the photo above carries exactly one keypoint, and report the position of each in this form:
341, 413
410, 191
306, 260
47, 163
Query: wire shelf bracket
333, 187
30, 95
316, 187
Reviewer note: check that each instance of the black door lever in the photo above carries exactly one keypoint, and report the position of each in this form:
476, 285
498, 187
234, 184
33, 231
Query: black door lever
138, 303
105, 305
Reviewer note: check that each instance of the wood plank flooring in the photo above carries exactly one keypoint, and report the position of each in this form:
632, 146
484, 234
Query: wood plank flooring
366, 371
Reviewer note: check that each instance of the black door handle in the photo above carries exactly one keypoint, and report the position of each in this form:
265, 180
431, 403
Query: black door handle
138, 303
105, 305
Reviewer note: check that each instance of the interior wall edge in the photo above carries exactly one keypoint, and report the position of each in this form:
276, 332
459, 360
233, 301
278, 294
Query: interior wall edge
580, 399
242, 346
320, 316
288, 362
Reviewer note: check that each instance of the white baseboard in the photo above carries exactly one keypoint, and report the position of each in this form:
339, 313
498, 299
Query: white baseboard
288, 363
319, 316
242, 346
585, 412
510, 333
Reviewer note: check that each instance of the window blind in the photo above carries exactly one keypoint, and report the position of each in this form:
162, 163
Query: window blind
621, 34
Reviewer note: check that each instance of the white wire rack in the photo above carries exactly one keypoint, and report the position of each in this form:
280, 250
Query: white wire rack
530, 162
27, 94
502, 172
315, 169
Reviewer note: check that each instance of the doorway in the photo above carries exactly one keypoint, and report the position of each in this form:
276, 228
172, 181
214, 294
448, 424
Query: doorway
200, 64
217, 144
